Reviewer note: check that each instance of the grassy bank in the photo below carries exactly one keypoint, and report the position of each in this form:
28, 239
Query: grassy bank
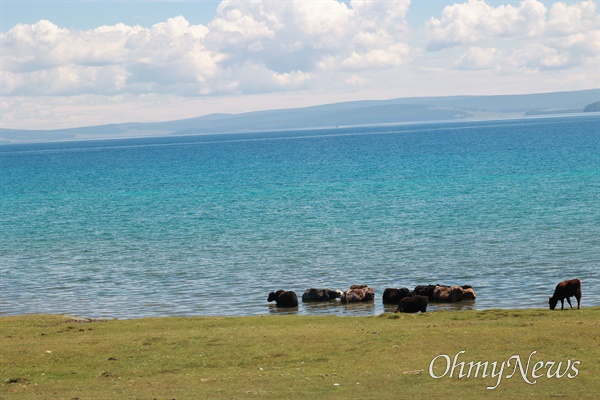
287, 357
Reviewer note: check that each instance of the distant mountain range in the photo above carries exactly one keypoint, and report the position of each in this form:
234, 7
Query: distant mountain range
368, 112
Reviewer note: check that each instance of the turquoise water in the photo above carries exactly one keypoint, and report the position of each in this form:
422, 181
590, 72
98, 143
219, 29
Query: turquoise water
209, 225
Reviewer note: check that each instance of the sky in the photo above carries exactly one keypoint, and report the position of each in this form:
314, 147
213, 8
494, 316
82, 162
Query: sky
79, 63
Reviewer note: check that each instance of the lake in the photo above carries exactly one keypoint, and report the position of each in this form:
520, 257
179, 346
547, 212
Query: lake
209, 225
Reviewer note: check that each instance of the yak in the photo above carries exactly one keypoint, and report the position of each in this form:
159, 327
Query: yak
413, 304
564, 290
284, 298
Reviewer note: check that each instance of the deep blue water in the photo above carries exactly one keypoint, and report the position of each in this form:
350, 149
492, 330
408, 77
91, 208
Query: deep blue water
208, 225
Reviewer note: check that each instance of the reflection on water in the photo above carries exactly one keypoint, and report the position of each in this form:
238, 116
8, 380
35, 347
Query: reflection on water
326, 307
373, 307
463, 305
361, 308
273, 309
322, 307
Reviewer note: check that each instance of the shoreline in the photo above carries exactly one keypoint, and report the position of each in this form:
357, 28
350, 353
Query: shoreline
275, 312
259, 306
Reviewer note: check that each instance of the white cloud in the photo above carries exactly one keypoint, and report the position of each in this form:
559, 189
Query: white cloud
476, 21
325, 50
279, 45
536, 56
47, 60
479, 58
527, 60
510, 39
568, 19
308, 35
379, 58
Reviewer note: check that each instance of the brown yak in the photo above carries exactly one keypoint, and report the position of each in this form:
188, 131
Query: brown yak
358, 293
564, 290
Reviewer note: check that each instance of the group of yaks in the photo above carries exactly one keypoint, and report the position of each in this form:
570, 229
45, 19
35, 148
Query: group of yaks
412, 301
407, 300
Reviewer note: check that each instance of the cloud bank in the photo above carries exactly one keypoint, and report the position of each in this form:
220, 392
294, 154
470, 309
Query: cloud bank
562, 37
247, 47
254, 47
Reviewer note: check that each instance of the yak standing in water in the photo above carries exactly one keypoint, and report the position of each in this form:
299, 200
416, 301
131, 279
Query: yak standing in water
326, 294
393, 295
358, 293
284, 298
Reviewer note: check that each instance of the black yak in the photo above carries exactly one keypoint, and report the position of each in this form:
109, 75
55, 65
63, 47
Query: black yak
413, 304
284, 298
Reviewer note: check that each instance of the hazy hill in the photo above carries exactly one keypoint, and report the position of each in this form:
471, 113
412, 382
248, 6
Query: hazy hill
404, 110
594, 107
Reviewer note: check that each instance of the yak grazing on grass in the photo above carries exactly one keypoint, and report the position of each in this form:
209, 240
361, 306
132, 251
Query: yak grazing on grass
564, 290
413, 304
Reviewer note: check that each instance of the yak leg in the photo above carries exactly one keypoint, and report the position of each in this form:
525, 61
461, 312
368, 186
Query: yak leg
562, 304
569, 301
578, 297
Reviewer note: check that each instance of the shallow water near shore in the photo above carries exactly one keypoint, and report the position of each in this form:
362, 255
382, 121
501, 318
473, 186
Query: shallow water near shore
209, 225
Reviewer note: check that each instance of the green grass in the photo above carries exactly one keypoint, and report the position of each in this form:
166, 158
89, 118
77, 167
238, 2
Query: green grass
295, 357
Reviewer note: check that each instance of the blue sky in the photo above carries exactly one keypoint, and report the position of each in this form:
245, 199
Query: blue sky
76, 63
80, 14
91, 14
